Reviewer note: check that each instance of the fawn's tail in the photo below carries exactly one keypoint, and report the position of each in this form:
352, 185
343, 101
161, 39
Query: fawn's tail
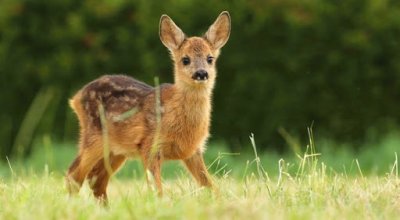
76, 104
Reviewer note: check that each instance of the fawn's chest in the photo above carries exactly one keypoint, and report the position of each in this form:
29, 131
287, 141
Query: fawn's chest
185, 127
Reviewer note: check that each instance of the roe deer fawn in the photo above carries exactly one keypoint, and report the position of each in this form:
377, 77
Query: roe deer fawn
179, 127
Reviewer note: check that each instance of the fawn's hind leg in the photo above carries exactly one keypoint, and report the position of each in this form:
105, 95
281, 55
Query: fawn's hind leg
81, 166
72, 184
198, 169
99, 175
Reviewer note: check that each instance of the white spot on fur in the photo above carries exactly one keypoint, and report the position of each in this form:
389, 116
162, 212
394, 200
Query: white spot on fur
92, 94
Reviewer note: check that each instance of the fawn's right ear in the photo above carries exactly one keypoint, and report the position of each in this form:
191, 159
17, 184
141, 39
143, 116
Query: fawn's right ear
170, 34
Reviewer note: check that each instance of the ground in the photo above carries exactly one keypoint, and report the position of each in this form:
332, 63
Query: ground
338, 184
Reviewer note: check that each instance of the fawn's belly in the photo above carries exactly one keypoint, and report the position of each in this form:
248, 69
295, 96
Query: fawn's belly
183, 148
127, 141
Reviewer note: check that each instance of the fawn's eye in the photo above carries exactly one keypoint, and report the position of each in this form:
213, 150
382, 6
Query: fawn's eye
210, 59
186, 61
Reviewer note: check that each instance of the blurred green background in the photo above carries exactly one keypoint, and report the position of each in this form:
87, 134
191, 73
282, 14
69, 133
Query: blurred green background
289, 64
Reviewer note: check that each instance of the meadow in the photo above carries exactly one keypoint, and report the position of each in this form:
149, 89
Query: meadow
318, 183
287, 63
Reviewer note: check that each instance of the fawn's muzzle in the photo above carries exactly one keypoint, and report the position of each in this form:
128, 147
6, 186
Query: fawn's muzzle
200, 75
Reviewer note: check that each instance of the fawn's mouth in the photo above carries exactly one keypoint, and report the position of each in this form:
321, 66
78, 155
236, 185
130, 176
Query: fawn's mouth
200, 80
204, 81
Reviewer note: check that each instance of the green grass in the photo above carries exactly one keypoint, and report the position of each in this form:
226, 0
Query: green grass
312, 196
329, 184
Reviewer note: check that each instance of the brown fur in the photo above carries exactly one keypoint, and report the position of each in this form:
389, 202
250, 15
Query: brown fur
131, 114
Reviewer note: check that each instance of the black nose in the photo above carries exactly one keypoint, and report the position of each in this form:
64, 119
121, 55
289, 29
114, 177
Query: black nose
200, 75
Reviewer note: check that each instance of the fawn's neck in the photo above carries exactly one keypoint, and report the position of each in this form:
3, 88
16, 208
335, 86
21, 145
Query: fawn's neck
194, 102
197, 95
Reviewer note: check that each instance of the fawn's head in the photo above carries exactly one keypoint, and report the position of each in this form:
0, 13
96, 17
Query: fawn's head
195, 57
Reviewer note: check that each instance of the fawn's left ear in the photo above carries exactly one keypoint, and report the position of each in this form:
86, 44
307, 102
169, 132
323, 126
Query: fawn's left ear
218, 32
170, 34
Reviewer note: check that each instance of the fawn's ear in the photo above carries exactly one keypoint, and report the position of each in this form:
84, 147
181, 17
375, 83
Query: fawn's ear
170, 34
218, 32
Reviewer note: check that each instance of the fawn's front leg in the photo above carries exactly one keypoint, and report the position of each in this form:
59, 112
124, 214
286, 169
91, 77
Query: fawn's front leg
153, 164
198, 169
